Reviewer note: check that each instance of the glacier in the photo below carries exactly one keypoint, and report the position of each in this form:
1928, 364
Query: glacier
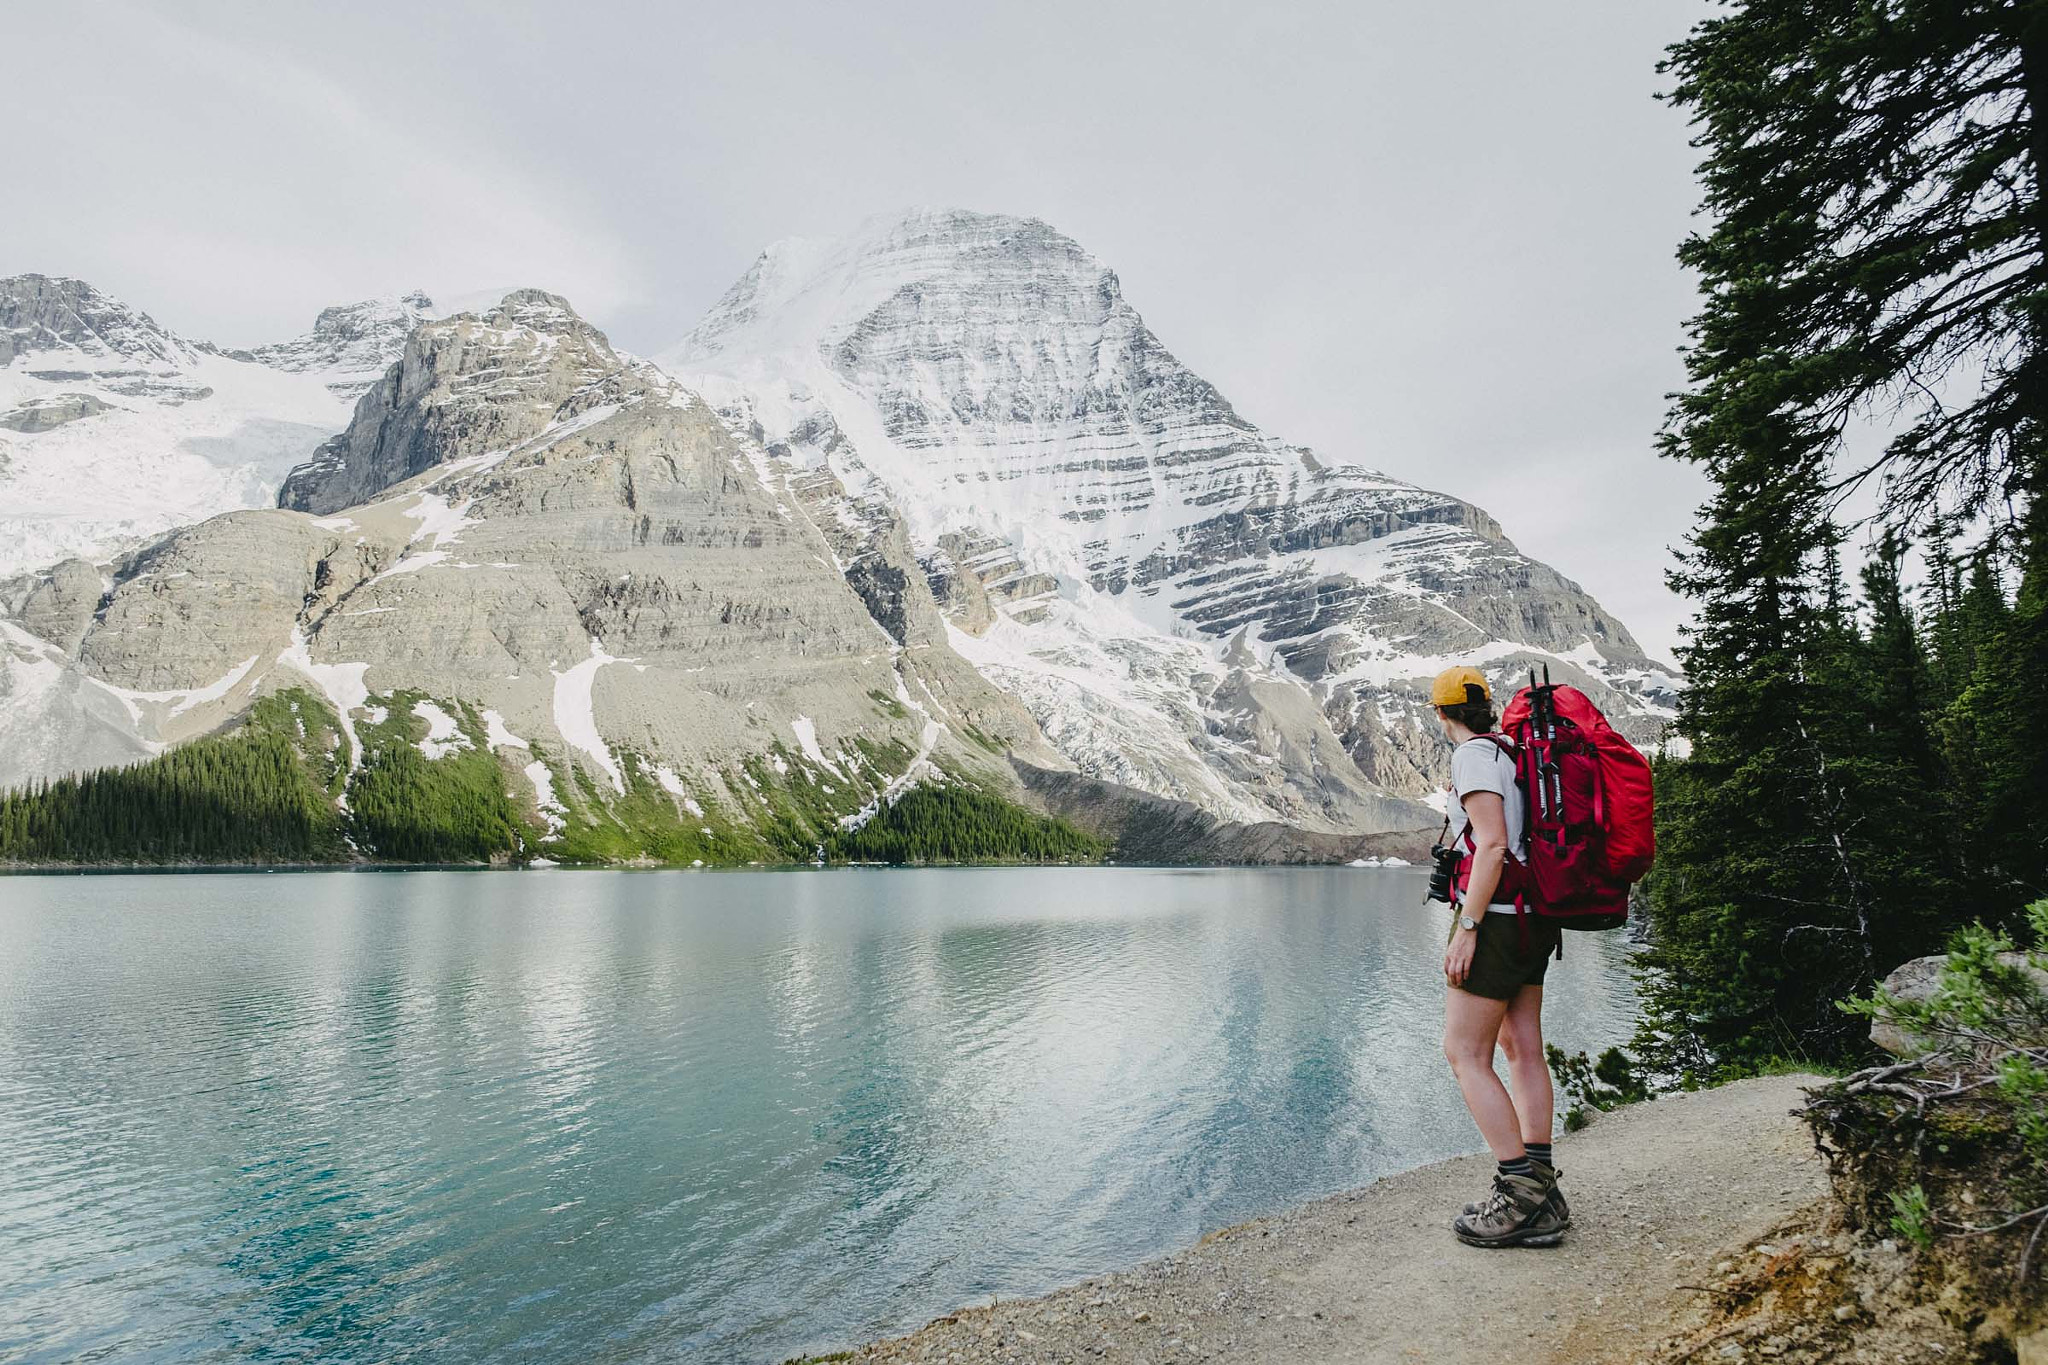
115, 429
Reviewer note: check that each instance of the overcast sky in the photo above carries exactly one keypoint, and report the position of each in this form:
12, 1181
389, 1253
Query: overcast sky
1436, 239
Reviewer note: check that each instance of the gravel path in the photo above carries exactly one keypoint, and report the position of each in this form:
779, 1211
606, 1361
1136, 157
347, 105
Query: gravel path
1659, 1191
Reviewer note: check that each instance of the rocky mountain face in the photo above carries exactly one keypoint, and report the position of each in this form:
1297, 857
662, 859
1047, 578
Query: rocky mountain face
1189, 606
475, 383
40, 314
114, 429
929, 499
350, 346
531, 544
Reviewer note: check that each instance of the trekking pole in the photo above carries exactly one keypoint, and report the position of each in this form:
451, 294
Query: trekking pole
1539, 794
1556, 768
1532, 749
1553, 789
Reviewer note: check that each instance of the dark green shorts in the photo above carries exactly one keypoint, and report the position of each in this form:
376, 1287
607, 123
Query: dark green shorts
1500, 965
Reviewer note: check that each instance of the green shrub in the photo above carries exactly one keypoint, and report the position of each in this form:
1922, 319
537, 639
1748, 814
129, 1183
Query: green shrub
1912, 1219
1595, 1086
1953, 1144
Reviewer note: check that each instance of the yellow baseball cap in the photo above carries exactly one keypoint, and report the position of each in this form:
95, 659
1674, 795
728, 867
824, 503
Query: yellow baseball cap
1449, 687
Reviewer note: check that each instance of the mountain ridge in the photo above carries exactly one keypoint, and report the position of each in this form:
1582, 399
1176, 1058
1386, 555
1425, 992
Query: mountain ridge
1054, 562
115, 429
349, 345
549, 567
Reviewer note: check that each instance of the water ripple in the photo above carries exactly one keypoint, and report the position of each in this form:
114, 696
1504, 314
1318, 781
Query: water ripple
660, 1116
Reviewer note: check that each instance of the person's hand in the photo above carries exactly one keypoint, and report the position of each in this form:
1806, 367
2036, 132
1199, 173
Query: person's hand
1458, 955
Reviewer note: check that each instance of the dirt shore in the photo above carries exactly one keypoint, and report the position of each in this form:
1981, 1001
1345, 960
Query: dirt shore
1658, 1191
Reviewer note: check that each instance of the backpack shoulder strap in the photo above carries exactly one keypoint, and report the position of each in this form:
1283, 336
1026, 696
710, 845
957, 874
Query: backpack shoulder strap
1513, 753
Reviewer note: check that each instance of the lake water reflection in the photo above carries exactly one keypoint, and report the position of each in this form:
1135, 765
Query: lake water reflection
657, 1115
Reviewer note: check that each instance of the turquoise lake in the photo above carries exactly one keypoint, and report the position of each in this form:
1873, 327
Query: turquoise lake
636, 1116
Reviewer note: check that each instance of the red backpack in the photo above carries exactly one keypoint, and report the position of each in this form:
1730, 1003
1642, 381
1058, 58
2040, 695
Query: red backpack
1587, 790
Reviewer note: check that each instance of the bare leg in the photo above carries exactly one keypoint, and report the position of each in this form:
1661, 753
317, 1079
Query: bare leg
1471, 1027
1521, 1038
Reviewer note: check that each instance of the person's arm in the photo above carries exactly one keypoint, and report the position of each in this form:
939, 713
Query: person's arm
1489, 822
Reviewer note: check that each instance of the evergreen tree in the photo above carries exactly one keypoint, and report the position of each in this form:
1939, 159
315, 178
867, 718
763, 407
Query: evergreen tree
1988, 733
1872, 172
954, 823
246, 797
1901, 697
1760, 911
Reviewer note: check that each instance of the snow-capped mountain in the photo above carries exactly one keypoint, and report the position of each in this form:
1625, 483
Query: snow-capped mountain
114, 429
351, 345
930, 497
1187, 604
543, 549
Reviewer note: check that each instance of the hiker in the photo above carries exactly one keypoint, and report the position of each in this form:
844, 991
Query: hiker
1494, 966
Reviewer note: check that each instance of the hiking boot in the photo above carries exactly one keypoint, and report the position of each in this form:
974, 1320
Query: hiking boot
1518, 1213
1548, 1174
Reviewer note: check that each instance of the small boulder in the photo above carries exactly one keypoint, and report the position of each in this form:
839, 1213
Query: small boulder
1914, 982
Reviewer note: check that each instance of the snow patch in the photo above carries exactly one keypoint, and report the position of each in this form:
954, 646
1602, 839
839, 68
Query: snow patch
569, 426
468, 464
413, 564
444, 736
576, 716
341, 684
179, 700
499, 735
551, 808
807, 739
920, 768
672, 783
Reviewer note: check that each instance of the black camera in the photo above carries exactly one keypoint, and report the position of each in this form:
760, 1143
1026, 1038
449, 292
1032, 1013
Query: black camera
1445, 868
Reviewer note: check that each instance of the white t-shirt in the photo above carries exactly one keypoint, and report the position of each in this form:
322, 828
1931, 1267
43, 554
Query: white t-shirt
1480, 765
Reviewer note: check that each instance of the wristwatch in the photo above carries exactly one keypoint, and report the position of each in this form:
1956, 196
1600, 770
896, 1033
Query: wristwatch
1467, 922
